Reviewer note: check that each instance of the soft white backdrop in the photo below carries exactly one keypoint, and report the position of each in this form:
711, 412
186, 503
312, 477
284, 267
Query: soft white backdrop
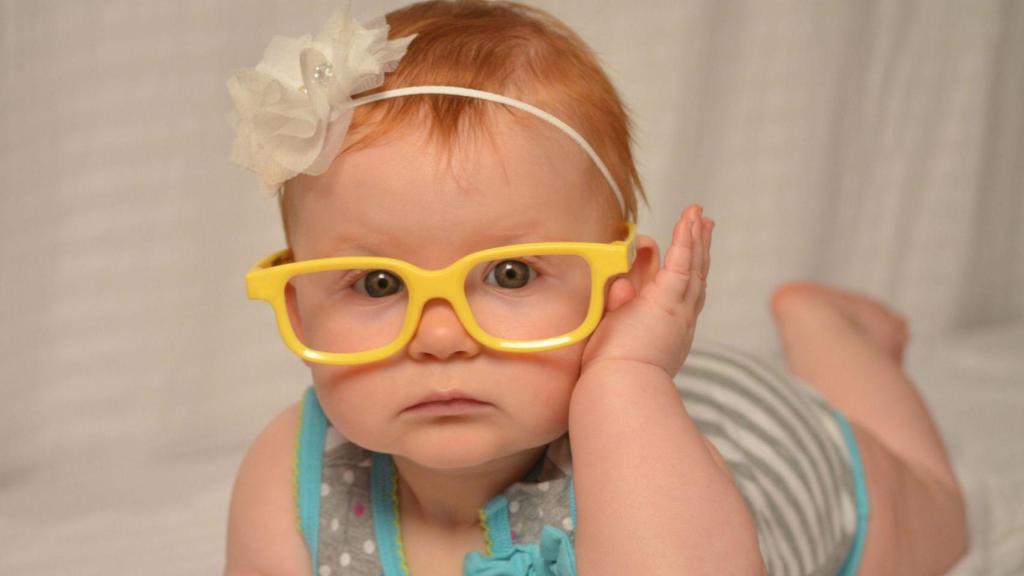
873, 144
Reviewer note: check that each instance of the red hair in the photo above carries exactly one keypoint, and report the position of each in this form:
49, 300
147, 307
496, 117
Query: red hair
510, 49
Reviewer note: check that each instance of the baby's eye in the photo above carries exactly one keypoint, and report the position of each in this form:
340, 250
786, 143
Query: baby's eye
510, 274
378, 284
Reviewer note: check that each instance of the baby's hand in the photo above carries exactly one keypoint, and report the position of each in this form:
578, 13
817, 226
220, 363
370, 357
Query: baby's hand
657, 326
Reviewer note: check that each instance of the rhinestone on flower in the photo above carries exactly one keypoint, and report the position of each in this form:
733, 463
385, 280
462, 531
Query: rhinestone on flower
323, 72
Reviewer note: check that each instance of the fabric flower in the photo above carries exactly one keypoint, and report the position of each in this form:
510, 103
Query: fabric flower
552, 556
292, 109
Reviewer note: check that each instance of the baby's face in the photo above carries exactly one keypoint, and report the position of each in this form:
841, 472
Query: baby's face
401, 199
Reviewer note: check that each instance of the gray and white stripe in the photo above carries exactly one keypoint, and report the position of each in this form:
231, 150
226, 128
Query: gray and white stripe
786, 451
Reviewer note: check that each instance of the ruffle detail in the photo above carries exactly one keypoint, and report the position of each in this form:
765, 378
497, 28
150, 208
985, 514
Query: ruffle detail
552, 556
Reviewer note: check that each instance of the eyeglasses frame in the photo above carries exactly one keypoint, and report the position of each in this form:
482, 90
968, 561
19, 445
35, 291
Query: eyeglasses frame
268, 278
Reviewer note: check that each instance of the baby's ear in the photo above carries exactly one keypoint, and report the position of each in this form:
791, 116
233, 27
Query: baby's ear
645, 266
647, 261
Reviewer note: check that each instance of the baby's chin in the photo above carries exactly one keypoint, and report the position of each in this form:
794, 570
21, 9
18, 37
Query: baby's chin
455, 448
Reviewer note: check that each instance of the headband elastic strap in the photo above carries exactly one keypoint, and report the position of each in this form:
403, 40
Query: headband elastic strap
471, 93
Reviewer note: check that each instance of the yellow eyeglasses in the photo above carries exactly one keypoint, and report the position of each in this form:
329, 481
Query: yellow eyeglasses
520, 298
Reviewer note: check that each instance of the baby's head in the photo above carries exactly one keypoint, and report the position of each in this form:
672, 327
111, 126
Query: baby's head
505, 48
429, 179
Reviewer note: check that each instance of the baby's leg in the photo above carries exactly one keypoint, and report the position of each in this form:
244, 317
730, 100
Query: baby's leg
850, 348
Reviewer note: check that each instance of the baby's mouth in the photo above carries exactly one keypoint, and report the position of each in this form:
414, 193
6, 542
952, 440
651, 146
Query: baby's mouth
447, 402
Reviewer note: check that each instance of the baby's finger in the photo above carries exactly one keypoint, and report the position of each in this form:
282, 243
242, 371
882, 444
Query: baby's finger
695, 287
673, 280
679, 255
709, 227
700, 283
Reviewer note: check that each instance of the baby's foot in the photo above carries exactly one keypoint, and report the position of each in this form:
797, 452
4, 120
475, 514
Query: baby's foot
814, 319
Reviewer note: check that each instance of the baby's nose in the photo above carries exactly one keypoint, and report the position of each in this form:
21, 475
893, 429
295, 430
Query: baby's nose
440, 335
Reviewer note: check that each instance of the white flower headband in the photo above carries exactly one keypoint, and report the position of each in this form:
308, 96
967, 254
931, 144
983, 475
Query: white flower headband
294, 108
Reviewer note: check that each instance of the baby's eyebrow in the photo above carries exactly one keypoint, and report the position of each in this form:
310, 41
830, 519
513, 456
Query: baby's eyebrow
520, 234
511, 237
362, 243
395, 247
353, 247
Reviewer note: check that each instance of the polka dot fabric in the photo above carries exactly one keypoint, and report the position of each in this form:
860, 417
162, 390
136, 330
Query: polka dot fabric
347, 544
531, 505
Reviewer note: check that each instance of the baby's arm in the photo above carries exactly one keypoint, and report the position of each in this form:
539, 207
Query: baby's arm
263, 533
653, 496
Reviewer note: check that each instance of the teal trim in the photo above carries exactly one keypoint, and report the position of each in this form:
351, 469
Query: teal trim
498, 526
861, 489
385, 525
572, 502
309, 463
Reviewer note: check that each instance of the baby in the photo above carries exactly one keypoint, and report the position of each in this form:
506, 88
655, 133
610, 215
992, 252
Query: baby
496, 354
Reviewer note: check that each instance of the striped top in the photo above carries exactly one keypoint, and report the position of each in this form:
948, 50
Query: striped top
792, 456
794, 460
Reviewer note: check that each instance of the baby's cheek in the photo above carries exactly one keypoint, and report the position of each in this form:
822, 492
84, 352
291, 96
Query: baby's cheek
548, 379
545, 409
351, 404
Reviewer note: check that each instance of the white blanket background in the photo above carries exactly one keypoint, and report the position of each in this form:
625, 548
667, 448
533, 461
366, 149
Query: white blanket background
873, 144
